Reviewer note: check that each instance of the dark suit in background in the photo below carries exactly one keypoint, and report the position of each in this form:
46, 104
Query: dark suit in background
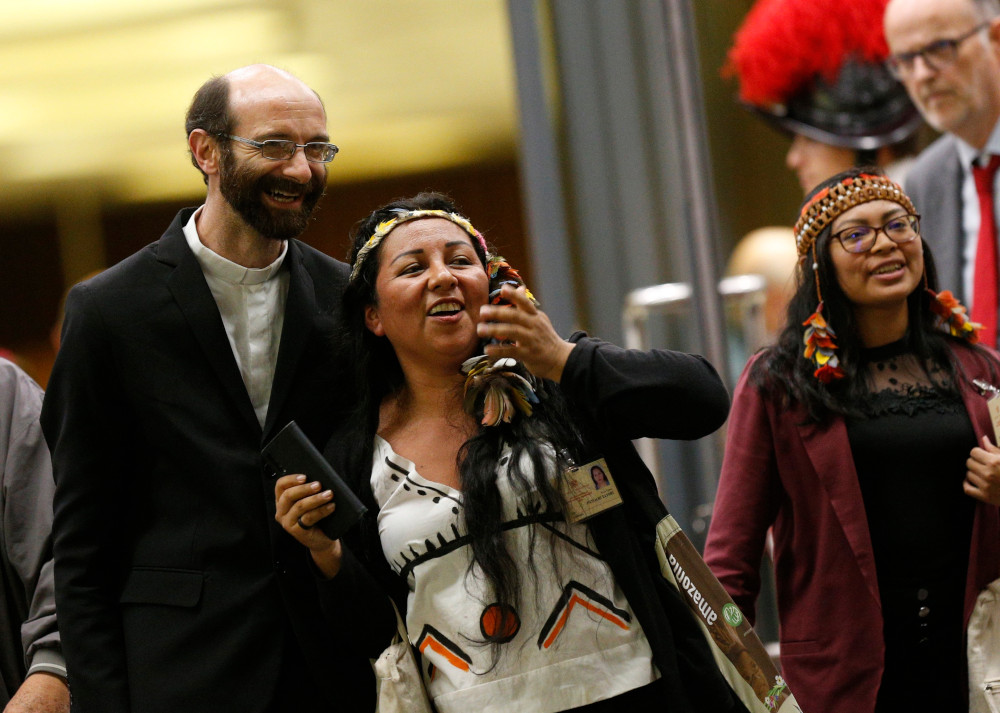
934, 184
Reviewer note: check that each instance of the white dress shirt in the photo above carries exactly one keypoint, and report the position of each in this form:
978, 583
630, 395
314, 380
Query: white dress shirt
252, 304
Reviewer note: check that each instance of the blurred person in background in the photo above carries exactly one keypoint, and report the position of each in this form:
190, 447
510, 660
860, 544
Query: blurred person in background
947, 54
814, 69
32, 668
770, 253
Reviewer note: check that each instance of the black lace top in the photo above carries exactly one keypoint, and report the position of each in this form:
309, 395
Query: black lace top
910, 449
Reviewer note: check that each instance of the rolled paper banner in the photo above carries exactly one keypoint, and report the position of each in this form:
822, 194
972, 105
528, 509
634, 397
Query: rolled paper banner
738, 651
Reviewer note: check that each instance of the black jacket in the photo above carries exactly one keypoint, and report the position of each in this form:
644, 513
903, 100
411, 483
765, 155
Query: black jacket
616, 395
176, 588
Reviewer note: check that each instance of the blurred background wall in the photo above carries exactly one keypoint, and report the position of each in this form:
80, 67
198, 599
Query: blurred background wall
420, 94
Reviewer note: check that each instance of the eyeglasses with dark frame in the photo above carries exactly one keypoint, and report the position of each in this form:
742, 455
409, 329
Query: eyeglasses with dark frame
284, 149
861, 238
937, 55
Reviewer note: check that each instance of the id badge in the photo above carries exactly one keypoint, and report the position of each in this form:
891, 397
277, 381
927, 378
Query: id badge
992, 395
589, 490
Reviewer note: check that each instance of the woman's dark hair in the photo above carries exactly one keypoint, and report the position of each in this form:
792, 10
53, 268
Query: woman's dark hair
534, 441
782, 372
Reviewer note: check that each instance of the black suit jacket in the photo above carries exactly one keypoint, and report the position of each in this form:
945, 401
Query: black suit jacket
176, 588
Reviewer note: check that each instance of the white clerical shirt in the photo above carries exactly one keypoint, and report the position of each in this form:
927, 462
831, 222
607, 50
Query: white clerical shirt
252, 304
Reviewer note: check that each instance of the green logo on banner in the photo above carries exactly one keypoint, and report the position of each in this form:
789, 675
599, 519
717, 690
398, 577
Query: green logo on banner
732, 614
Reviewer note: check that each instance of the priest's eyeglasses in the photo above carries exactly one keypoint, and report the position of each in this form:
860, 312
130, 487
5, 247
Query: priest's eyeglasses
937, 55
284, 149
861, 238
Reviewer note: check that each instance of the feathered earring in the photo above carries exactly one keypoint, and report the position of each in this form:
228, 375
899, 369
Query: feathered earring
818, 338
951, 315
501, 273
497, 390
820, 347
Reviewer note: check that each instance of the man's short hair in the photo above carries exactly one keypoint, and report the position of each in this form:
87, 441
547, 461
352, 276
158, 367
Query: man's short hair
209, 111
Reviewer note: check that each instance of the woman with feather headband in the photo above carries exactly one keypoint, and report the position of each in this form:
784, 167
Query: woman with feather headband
862, 439
458, 449
815, 69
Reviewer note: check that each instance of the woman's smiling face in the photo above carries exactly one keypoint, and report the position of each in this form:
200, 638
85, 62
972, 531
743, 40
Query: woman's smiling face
885, 275
430, 286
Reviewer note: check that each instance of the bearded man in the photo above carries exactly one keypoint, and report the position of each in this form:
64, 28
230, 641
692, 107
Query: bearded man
176, 588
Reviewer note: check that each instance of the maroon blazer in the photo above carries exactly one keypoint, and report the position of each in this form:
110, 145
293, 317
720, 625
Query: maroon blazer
801, 480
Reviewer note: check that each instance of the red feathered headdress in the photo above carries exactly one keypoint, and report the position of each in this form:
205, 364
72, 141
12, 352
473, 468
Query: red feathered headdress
784, 45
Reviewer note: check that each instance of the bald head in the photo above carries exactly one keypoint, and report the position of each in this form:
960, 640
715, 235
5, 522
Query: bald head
254, 71
957, 92
257, 80
769, 252
899, 12
219, 103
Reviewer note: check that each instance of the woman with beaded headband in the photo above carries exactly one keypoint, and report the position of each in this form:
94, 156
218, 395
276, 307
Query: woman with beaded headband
861, 441
470, 408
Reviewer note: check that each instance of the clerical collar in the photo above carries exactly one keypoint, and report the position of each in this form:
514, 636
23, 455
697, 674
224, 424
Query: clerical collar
217, 266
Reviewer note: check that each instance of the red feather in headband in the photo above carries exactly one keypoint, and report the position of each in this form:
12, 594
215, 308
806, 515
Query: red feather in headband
784, 44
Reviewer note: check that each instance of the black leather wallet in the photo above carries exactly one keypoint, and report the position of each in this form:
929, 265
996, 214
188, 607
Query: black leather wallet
291, 452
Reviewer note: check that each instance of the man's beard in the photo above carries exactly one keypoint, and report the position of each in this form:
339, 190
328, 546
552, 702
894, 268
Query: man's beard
242, 188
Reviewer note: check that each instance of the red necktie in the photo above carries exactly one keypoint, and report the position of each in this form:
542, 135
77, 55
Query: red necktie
984, 280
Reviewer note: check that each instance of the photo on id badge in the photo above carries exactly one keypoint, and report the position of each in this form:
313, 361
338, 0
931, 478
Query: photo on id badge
589, 490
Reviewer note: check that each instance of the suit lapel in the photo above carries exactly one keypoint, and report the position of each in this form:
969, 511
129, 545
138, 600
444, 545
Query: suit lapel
830, 454
975, 403
942, 218
300, 314
191, 292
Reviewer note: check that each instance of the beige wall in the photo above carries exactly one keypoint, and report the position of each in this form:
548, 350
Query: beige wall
753, 186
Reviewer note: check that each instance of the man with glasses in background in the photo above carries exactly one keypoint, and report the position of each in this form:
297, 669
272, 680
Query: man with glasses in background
176, 588
947, 54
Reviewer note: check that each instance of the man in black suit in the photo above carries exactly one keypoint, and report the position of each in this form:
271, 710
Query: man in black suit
176, 589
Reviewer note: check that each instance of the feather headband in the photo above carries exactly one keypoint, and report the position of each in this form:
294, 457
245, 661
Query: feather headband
830, 202
403, 216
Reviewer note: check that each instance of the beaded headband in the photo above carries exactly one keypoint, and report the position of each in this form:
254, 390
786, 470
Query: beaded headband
829, 203
817, 214
403, 216
496, 388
